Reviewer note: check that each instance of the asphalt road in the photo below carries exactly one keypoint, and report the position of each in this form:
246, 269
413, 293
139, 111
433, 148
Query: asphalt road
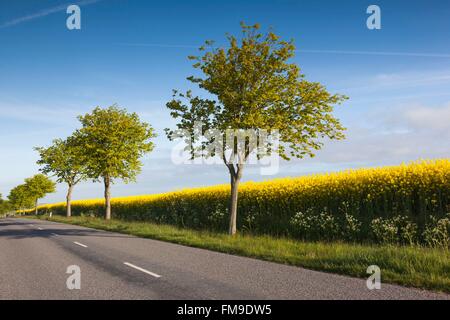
35, 255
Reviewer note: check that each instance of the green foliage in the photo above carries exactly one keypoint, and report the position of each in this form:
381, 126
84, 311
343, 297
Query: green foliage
5, 206
65, 159
397, 229
311, 226
324, 226
113, 141
20, 197
255, 87
35, 188
39, 186
350, 228
437, 232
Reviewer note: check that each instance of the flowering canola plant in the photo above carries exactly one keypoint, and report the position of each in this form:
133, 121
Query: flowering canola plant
416, 190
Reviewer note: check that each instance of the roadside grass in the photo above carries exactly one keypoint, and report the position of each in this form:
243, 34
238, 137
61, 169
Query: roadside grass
413, 266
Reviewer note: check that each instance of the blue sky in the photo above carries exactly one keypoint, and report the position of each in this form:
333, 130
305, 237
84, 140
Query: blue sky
134, 53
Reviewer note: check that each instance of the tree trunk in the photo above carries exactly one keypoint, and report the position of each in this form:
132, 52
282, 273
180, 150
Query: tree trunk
107, 182
69, 201
236, 175
36, 207
233, 203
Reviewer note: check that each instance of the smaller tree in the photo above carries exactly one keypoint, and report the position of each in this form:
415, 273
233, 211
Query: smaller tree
113, 142
38, 187
4, 205
65, 160
20, 198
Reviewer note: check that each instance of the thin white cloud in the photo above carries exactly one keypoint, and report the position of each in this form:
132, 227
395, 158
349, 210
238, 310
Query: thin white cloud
158, 45
423, 118
380, 53
338, 52
399, 80
43, 13
37, 114
403, 137
412, 79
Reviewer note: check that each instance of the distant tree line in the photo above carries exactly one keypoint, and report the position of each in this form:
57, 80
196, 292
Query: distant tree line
108, 146
5, 206
28, 194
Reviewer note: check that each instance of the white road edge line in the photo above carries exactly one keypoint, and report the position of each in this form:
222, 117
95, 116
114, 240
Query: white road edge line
142, 270
54, 234
80, 244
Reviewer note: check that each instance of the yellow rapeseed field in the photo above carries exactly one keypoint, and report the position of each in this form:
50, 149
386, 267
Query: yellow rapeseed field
417, 190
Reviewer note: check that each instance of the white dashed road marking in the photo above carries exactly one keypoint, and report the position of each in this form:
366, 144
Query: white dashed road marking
80, 244
142, 270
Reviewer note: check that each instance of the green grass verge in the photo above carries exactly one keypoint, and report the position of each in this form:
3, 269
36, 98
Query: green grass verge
414, 266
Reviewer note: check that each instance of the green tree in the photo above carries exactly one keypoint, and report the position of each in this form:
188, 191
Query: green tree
4, 205
113, 142
20, 198
64, 159
253, 86
38, 187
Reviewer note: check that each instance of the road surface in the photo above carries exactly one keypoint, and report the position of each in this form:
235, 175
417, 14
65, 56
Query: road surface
35, 255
